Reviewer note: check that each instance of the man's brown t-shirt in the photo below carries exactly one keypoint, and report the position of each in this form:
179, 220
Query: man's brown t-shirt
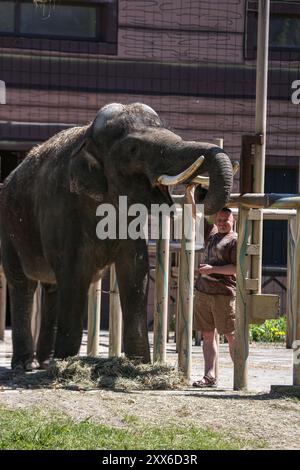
219, 251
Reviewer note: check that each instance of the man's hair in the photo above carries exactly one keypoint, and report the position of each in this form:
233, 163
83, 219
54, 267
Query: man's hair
226, 209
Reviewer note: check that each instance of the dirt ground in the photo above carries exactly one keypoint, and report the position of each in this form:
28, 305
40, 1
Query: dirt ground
256, 414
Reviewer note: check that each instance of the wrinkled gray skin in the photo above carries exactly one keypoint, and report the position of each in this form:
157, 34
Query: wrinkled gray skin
48, 223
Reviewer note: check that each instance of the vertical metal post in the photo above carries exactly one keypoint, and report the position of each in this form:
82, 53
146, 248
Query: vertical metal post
241, 350
115, 316
161, 291
260, 125
94, 317
186, 292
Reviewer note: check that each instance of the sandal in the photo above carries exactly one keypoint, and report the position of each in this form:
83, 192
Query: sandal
205, 382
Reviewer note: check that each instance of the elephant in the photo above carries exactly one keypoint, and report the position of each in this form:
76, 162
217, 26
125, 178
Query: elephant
48, 223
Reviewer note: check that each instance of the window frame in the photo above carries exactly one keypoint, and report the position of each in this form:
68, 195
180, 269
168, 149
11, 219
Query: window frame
275, 53
105, 41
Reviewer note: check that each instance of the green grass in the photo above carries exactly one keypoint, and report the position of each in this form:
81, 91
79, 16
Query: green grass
271, 331
37, 430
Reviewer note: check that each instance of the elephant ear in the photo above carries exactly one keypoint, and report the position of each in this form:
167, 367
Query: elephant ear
86, 174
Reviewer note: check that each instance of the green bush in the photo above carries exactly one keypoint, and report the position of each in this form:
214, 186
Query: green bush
271, 331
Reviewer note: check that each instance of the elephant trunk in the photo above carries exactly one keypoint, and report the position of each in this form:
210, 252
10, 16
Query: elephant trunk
216, 164
219, 167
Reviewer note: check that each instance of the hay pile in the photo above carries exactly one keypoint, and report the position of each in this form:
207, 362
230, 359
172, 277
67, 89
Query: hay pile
115, 373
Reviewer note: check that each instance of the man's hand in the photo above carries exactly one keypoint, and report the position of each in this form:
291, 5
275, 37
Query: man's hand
206, 269
190, 197
227, 270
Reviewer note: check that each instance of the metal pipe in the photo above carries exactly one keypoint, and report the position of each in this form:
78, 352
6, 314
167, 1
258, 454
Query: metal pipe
262, 200
260, 127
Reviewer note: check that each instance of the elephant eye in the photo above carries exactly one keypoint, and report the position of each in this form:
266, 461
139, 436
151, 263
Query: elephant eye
134, 150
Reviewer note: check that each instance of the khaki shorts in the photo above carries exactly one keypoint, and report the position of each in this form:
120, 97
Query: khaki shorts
214, 311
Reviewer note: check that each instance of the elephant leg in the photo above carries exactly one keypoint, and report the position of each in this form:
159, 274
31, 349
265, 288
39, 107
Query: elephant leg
47, 336
132, 268
72, 301
21, 292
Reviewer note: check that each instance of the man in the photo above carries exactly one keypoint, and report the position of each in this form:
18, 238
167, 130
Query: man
214, 304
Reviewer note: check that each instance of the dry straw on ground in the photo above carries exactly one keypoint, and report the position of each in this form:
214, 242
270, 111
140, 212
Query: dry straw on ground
115, 373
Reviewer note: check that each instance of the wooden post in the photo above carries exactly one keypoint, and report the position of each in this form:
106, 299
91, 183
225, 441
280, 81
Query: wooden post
217, 362
3, 289
291, 239
296, 304
161, 294
294, 389
115, 316
94, 317
36, 315
220, 143
290, 282
241, 351
177, 307
186, 293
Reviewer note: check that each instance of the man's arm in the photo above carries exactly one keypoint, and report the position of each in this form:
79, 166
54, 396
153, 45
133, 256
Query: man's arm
226, 270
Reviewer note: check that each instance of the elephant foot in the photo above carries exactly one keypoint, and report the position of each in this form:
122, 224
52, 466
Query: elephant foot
22, 365
46, 364
144, 357
65, 347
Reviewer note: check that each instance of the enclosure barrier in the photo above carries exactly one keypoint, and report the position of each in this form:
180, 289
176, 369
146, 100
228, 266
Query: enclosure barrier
256, 306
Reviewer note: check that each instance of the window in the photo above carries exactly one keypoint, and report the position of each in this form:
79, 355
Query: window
61, 21
278, 180
284, 31
284, 37
7, 17
73, 23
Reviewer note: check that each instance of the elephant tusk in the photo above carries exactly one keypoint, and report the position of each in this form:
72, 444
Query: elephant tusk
168, 180
204, 180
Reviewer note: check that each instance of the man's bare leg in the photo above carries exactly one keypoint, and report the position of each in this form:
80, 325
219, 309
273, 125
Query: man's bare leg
230, 338
210, 352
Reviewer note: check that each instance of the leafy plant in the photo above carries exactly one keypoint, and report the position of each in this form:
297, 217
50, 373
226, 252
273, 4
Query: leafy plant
272, 331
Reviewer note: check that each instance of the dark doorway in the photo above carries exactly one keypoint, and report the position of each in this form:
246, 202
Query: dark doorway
277, 180
9, 160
